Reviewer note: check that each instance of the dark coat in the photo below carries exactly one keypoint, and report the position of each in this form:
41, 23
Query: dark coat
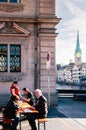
41, 106
30, 95
10, 110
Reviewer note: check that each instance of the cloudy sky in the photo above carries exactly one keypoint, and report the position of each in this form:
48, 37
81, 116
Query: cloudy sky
73, 14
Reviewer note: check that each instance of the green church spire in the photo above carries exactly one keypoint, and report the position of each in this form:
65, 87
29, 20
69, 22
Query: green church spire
78, 54
78, 44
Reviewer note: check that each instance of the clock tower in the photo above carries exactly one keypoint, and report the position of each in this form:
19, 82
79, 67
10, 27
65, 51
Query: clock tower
78, 54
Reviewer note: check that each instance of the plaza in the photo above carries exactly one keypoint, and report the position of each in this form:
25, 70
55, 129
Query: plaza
67, 115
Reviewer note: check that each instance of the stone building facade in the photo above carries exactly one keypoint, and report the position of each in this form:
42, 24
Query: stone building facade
27, 34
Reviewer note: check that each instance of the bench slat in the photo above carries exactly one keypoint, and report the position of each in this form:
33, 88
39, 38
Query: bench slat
42, 120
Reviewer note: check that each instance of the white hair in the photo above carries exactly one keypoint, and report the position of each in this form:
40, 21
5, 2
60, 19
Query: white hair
38, 91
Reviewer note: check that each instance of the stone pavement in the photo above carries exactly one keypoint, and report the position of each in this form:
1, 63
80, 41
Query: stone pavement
68, 115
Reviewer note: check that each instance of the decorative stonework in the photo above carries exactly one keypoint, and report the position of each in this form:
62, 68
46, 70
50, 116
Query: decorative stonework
10, 78
9, 7
12, 28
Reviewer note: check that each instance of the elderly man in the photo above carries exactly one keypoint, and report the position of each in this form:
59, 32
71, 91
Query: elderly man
41, 107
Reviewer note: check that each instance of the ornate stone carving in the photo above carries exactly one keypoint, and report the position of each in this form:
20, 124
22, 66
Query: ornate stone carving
9, 7
12, 28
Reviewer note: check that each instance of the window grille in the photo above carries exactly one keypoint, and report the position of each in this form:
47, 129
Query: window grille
15, 59
10, 58
3, 58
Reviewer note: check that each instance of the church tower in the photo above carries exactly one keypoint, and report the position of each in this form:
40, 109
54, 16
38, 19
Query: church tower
78, 54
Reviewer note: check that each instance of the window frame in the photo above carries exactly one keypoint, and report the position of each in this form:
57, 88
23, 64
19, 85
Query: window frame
17, 57
8, 59
8, 1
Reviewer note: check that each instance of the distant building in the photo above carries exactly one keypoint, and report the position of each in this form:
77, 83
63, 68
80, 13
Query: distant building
77, 68
83, 69
74, 73
78, 53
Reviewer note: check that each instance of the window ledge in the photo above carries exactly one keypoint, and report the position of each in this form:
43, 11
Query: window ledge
11, 7
10, 77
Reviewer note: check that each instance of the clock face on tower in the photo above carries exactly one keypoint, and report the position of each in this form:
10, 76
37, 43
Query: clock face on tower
78, 54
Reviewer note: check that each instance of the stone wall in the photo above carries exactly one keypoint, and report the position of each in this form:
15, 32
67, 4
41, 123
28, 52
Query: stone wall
30, 24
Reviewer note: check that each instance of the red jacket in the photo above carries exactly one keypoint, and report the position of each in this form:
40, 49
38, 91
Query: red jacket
16, 90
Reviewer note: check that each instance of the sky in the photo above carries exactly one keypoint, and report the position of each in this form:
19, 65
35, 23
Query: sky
73, 18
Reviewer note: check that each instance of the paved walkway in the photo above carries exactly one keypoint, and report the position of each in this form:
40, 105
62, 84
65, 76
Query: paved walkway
68, 115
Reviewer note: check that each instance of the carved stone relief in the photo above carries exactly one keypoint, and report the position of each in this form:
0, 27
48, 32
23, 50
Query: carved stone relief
10, 78
12, 28
9, 7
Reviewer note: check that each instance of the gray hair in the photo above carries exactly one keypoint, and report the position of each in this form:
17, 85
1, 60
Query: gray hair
38, 91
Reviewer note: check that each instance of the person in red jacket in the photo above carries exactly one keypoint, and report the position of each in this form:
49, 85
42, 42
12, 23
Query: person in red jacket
14, 89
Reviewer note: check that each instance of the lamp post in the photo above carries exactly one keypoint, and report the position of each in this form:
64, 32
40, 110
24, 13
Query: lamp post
48, 74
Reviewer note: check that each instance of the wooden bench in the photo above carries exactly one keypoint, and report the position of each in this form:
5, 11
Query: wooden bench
42, 121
